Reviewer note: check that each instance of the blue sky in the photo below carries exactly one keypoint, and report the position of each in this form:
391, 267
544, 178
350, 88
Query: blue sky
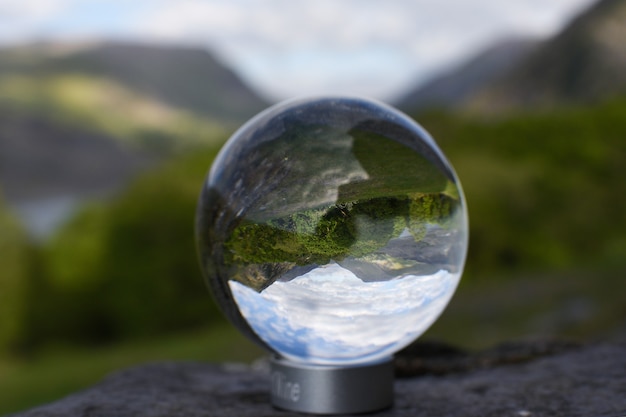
287, 48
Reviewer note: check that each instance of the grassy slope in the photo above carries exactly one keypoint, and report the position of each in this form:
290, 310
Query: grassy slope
102, 105
181, 77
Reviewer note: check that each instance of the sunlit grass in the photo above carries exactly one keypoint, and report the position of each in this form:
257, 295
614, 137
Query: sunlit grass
59, 371
103, 105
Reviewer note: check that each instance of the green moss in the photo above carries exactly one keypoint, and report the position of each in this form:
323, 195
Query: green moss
349, 229
428, 208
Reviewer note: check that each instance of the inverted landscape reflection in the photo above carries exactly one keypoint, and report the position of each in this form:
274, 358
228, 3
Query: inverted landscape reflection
332, 231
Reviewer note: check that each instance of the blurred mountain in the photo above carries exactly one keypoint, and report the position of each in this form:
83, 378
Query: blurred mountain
41, 159
46, 168
80, 120
181, 77
455, 86
585, 63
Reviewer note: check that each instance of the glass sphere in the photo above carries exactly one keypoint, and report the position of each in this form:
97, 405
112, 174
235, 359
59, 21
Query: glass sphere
332, 230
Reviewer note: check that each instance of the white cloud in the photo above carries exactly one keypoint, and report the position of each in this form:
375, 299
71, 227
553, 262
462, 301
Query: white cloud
329, 315
29, 8
295, 47
21, 18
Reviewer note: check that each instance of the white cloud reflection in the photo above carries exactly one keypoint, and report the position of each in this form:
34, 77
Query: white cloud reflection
329, 315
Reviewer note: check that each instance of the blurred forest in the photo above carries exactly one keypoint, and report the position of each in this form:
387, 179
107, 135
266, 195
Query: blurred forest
545, 193
118, 270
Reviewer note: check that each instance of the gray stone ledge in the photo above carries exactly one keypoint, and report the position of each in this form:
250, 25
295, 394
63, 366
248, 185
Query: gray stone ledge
587, 381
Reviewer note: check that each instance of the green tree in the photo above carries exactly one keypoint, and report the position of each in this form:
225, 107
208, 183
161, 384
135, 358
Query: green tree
151, 281
14, 261
128, 268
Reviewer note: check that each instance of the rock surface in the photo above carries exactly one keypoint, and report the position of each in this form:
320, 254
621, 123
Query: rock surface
514, 380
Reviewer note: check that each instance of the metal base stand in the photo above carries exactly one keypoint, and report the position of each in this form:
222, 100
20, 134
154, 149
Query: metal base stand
329, 389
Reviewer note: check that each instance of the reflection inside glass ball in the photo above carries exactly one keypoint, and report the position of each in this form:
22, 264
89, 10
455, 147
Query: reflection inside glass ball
333, 231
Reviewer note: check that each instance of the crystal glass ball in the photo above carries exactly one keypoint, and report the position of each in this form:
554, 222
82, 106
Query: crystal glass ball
332, 230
